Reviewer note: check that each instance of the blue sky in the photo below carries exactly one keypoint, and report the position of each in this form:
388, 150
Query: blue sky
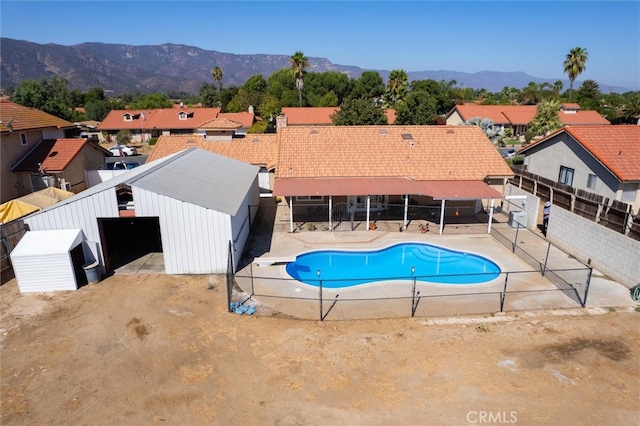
528, 36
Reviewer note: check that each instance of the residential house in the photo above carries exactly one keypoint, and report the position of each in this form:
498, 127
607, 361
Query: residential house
517, 117
21, 129
315, 116
366, 169
59, 163
257, 149
604, 160
153, 123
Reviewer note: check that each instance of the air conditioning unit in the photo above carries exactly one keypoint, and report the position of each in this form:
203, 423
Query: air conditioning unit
517, 219
65, 186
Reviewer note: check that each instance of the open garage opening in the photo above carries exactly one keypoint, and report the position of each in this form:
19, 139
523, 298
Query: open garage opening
126, 241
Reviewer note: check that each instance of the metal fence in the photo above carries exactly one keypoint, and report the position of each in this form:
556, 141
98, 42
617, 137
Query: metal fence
415, 296
551, 285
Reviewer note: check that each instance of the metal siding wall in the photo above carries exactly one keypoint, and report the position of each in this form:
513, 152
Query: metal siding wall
191, 235
44, 273
80, 214
251, 199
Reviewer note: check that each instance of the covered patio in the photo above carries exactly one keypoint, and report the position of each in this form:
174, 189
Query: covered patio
339, 202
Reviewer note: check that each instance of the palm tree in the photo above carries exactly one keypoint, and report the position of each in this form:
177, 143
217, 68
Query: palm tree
396, 86
574, 64
216, 73
298, 64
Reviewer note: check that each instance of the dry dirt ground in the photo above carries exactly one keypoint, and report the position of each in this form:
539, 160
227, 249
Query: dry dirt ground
145, 350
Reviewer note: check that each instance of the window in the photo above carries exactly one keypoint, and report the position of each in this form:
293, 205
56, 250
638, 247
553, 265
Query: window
128, 117
23, 138
566, 175
629, 191
591, 181
309, 198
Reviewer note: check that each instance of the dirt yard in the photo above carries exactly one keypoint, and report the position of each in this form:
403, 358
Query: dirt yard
137, 350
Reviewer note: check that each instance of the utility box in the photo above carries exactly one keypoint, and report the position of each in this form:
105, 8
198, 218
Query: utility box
517, 219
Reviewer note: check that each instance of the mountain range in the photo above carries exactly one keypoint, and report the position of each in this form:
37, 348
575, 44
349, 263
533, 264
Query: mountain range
122, 68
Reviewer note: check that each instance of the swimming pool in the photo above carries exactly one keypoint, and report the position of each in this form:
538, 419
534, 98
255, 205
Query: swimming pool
431, 264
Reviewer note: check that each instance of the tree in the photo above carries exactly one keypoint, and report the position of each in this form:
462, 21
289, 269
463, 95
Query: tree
368, 86
589, 96
359, 112
299, 63
216, 73
420, 107
630, 109
396, 87
208, 95
574, 64
546, 119
493, 132
152, 101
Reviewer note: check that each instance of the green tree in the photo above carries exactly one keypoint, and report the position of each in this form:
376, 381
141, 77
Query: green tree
208, 95
280, 83
152, 101
629, 111
359, 112
318, 85
31, 94
589, 96
396, 89
299, 64
546, 119
98, 109
574, 64
419, 108
124, 136
216, 73
368, 86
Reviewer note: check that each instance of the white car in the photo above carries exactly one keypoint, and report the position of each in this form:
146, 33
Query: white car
127, 150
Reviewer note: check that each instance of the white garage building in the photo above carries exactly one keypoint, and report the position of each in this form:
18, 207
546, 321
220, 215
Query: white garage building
190, 206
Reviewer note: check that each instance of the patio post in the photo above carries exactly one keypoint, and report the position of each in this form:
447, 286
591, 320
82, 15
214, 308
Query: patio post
291, 213
442, 217
490, 217
406, 211
368, 207
330, 212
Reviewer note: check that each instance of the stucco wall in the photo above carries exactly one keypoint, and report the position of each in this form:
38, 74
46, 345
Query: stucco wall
611, 253
563, 150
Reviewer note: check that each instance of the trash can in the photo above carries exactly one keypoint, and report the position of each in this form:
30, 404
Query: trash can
92, 271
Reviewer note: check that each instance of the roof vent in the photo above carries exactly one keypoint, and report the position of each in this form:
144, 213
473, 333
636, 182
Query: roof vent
190, 141
407, 136
450, 131
313, 132
383, 132
256, 140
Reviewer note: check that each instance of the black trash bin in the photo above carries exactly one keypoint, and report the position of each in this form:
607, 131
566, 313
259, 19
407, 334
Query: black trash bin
92, 271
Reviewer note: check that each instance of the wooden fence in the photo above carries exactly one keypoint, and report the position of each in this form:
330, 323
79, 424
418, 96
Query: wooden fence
613, 214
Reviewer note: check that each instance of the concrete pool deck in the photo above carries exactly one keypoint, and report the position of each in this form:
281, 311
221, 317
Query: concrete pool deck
281, 246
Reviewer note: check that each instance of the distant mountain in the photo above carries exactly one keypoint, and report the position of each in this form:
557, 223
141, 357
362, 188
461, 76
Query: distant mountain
121, 68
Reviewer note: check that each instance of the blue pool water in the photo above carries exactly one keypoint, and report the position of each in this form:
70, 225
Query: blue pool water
432, 264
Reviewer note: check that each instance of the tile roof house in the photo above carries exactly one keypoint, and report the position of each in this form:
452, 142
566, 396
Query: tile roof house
257, 149
604, 160
59, 163
315, 116
21, 129
517, 117
429, 164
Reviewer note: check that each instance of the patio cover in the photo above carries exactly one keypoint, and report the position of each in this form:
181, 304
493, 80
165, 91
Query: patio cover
438, 190
15, 209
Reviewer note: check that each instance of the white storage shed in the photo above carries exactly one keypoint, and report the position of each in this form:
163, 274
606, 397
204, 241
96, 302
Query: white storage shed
189, 206
45, 261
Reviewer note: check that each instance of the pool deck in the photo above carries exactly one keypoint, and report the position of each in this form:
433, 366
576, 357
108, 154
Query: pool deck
270, 252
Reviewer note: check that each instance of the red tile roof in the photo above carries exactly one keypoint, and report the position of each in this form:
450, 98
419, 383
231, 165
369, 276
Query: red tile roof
259, 149
159, 118
53, 154
220, 124
246, 118
417, 152
523, 114
309, 115
23, 118
617, 147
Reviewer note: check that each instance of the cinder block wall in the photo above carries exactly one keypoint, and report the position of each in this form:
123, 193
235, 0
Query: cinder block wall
611, 253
